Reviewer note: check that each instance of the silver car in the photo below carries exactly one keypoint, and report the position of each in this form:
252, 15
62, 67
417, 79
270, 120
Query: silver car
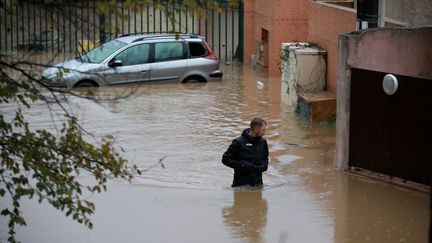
139, 58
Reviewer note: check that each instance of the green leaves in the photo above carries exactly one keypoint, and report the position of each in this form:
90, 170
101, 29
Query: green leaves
39, 163
47, 165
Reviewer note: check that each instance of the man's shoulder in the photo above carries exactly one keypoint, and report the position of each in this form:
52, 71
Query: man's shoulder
240, 139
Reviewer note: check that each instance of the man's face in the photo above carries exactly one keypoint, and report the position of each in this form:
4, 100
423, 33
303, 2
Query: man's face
261, 131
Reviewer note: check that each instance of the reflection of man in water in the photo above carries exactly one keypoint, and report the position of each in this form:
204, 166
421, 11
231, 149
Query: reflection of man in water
248, 215
248, 155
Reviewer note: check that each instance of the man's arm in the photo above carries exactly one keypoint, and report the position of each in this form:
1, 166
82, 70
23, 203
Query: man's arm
264, 164
230, 159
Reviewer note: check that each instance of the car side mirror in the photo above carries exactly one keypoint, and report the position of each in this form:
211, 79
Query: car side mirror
116, 63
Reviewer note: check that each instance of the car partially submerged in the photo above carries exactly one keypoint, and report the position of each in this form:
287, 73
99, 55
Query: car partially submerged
139, 58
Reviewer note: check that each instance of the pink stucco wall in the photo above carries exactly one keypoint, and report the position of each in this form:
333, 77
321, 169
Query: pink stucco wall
285, 21
405, 52
326, 23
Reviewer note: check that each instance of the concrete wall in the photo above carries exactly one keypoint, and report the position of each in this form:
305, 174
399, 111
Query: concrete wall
410, 12
303, 70
405, 51
285, 21
326, 23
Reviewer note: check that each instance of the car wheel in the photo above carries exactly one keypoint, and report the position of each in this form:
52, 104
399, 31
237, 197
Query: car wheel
194, 79
85, 84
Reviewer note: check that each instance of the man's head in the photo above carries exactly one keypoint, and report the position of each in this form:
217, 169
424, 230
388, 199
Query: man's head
258, 127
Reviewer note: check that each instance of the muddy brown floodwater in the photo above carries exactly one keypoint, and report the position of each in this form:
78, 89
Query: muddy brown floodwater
304, 199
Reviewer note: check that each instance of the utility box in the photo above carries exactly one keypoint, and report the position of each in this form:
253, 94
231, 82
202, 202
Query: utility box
303, 67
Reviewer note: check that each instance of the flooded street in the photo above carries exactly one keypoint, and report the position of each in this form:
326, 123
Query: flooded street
190, 200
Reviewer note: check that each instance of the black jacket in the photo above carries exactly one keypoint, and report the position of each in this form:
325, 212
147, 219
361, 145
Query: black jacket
248, 157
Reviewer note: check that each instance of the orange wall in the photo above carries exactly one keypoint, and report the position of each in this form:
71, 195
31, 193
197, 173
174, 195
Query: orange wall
326, 23
285, 21
297, 20
248, 31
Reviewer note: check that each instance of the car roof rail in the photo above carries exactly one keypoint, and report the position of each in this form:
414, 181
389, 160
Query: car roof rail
151, 33
161, 35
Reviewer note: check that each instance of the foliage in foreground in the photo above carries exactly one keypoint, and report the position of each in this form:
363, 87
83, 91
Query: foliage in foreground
37, 163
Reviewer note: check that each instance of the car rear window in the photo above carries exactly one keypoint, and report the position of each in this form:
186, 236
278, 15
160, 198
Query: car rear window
196, 49
168, 51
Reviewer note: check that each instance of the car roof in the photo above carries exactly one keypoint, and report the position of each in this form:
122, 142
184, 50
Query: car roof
129, 38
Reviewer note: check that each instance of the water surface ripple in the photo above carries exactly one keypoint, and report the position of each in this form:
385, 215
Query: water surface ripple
191, 125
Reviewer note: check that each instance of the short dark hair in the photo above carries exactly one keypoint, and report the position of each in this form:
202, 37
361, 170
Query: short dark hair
257, 122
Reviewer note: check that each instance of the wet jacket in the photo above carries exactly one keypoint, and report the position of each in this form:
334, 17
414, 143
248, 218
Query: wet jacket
248, 157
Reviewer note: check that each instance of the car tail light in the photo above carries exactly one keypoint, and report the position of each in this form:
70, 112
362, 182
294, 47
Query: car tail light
211, 54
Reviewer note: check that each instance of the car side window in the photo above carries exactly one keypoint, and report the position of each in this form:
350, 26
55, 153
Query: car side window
168, 51
134, 55
196, 49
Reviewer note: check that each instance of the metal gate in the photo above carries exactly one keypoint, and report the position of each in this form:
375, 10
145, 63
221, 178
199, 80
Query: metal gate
391, 134
75, 25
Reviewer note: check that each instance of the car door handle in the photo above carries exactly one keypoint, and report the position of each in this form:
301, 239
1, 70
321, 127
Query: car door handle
144, 71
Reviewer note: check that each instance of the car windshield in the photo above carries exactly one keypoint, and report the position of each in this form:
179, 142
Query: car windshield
98, 54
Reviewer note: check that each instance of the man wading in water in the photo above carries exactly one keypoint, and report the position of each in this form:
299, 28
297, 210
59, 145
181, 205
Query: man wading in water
248, 155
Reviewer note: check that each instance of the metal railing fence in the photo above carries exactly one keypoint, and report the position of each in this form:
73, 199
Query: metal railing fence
77, 25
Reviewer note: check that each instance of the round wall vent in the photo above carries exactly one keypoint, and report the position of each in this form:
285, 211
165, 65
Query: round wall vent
390, 84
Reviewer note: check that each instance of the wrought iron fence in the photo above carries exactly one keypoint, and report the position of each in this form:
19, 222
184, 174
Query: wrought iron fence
81, 25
